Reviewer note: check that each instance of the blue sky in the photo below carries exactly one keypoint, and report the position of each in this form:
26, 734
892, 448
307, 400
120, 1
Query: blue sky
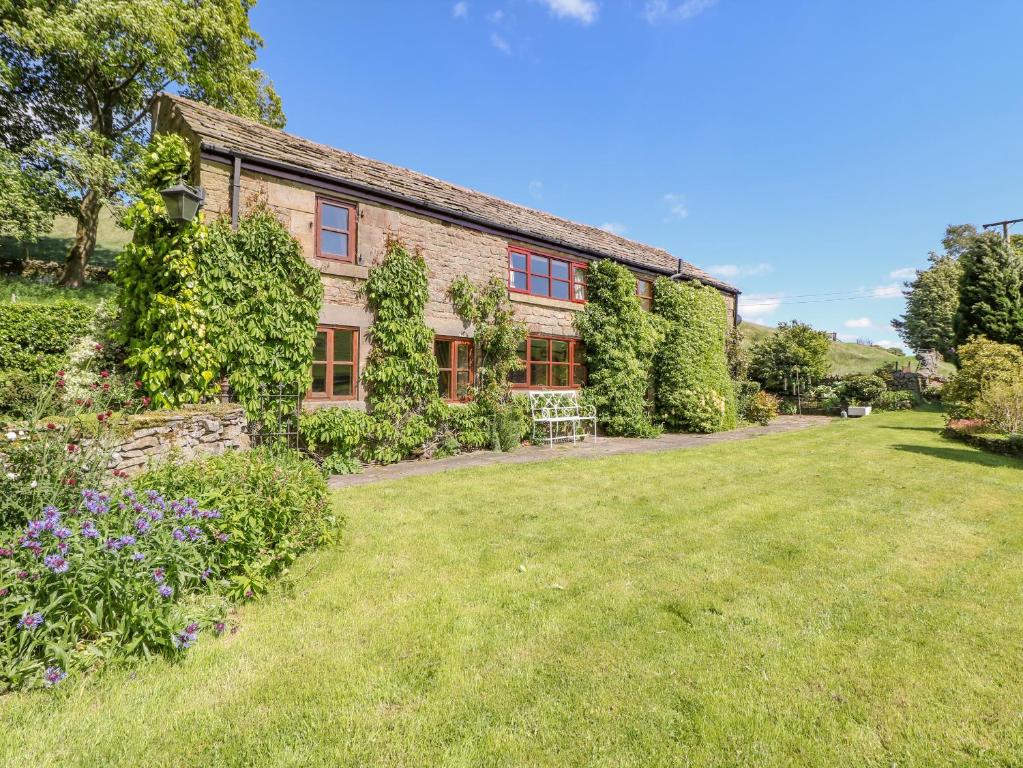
809, 152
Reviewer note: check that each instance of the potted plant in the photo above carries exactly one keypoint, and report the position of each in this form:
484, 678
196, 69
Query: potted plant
855, 410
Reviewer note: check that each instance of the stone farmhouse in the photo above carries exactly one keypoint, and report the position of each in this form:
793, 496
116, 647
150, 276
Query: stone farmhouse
341, 207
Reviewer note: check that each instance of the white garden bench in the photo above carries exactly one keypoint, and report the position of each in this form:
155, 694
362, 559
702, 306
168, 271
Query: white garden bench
557, 416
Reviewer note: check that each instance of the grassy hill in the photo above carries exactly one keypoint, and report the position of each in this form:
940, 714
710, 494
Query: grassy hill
847, 358
55, 246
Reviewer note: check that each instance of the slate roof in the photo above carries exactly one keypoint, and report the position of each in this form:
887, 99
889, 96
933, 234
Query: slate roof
221, 131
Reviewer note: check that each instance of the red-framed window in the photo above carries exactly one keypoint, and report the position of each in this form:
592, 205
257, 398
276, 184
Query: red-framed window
540, 275
335, 230
454, 363
335, 364
645, 291
551, 362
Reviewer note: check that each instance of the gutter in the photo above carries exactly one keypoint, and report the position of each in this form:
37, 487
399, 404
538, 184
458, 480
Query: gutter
365, 193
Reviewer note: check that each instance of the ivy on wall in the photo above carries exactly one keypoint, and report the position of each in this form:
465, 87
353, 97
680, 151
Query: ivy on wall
620, 340
693, 391
199, 303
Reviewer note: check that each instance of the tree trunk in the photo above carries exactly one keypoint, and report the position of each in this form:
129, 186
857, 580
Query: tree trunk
85, 240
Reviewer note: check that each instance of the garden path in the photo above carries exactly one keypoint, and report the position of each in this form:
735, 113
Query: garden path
605, 446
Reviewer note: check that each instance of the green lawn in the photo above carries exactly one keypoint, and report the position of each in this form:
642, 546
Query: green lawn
110, 239
848, 595
33, 291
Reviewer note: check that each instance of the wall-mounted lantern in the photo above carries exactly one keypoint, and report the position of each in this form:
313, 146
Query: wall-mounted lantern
182, 201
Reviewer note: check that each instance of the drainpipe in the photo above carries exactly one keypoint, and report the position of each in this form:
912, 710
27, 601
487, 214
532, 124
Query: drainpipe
236, 188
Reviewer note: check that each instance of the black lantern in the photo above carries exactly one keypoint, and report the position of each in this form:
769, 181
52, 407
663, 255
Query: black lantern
182, 201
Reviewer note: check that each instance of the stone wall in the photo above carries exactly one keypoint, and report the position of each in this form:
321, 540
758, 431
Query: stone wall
196, 431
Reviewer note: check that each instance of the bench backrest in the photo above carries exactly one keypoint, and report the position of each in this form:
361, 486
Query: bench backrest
553, 404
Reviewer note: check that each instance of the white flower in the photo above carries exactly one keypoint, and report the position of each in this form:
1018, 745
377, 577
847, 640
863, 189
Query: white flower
12, 435
11, 476
33, 484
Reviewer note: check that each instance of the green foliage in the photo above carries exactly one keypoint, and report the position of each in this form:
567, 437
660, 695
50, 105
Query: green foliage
763, 408
272, 505
932, 297
335, 432
1001, 405
27, 207
621, 340
990, 303
794, 350
101, 65
496, 340
736, 353
861, 388
401, 372
896, 400
982, 364
693, 391
745, 391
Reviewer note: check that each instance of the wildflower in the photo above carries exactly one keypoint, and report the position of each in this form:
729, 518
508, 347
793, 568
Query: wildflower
155, 515
106, 387
159, 574
98, 347
205, 574
21, 575
222, 537
147, 400
35, 528
12, 476
104, 374
89, 530
127, 540
120, 473
6, 551
56, 563
138, 384
142, 525
186, 638
53, 676
4, 591
138, 557
114, 544
51, 426
12, 436
165, 590
71, 481
62, 533
101, 417
194, 533
219, 627
33, 485
249, 594
30, 621
179, 534
72, 448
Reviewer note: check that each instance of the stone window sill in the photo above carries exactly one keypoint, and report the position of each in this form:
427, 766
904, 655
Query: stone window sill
342, 269
543, 301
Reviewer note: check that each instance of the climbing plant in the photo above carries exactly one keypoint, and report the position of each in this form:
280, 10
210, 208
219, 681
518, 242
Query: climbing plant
620, 340
401, 372
694, 392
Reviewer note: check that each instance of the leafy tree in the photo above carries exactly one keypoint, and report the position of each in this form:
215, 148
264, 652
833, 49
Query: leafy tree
795, 350
77, 81
982, 364
621, 340
990, 303
26, 207
932, 297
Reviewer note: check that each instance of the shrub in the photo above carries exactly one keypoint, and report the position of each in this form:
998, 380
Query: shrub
620, 341
762, 408
826, 396
897, 400
745, 391
273, 506
123, 574
1001, 404
693, 391
795, 350
861, 388
970, 426
982, 363
336, 433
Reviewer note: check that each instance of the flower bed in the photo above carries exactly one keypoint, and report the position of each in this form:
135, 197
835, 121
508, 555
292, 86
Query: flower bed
979, 433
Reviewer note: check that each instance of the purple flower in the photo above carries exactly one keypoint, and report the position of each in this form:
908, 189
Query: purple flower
35, 528
89, 529
179, 534
4, 591
155, 515
6, 551
53, 676
30, 621
194, 533
142, 525
62, 533
222, 537
206, 574
138, 557
219, 627
56, 563
165, 590
159, 574
115, 544
210, 514
127, 540
186, 638
51, 513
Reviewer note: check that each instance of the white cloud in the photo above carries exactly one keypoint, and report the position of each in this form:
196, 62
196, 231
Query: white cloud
500, 43
858, 322
754, 306
906, 273
676, 206
892, 291
848, 338
536, 189
739, 270
584, 11
497, 16
460, 10
887, 344
662, 10
614, 227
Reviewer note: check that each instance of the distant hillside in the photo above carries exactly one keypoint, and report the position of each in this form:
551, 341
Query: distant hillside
55, 246
847, 358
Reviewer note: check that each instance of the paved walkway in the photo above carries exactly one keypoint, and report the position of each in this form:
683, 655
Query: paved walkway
605, 446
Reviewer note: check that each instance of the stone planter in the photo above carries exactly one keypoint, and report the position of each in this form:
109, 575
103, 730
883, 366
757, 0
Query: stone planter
856, 411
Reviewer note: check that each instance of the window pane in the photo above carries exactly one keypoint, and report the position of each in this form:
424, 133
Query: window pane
463, 356
333, 243
320, 378
538, 375
343, 381
579, 352
580, 375
539, 349
518, 281
560, 375
320, 346
444, 384
521, 351
517, 261
462, 385
518, 377
580, 292
334, 216
541, 286
559, 269
343, 346
442, 349
559, 351
539, 265
559, 290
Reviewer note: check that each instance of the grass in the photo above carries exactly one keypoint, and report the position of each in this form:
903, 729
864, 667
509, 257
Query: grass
110, 239
849, 358
847, 595
32, 291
